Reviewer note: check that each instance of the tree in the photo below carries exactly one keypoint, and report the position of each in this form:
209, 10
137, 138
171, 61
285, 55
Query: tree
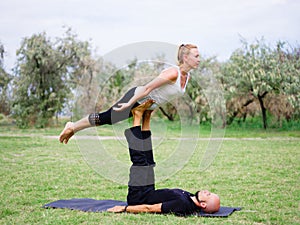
204, 99
289, 61
5, 79
256, 70
44, 76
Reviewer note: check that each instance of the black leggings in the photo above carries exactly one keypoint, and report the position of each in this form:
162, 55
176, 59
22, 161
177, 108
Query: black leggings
111, 116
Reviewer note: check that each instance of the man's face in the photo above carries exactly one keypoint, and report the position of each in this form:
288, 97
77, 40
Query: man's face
204, 195
210, 202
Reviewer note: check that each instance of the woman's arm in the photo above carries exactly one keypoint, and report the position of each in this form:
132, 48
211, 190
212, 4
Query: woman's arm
156, 208
167, 76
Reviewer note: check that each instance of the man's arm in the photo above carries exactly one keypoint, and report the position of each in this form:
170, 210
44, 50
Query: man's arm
156, 208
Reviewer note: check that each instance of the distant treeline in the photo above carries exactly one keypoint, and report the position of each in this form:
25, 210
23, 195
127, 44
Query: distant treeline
62, 77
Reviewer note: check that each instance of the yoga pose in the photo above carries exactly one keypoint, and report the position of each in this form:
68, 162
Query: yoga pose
142, 196
169, 84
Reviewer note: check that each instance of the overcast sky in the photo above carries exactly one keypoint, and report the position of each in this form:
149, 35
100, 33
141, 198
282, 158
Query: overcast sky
214, 25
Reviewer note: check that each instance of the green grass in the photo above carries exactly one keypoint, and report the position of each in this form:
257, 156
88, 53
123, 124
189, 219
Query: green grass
251, 128
262, 176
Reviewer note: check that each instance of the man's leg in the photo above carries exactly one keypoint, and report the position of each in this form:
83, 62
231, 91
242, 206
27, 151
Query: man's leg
139, 141
135, 139
146, 133
141, 178
138, 144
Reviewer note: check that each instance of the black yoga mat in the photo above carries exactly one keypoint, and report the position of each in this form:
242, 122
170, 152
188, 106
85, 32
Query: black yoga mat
93, 205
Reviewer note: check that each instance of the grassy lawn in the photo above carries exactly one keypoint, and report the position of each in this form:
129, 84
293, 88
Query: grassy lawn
262, 176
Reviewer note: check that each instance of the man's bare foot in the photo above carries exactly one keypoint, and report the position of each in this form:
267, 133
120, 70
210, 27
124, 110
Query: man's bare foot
67, 133
139, 110
147, 114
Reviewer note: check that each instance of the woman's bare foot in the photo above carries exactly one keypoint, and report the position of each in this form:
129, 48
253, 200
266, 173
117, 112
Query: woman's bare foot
67, 133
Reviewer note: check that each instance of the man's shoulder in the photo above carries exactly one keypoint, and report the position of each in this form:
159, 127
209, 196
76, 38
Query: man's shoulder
180, 190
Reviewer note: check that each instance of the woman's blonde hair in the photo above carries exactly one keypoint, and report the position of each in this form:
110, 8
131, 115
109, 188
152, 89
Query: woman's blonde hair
184, 49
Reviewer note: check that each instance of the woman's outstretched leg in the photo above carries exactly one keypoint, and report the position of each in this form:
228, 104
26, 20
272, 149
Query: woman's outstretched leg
112, 116
97, 119
72, 127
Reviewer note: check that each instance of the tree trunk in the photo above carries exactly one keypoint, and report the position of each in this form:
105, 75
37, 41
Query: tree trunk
263, 109
235, 113
231, 119
191, 114
170, 117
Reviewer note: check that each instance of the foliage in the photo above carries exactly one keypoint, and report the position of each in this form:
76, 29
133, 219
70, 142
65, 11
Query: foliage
111, 83
256, 71
5, 79
44, 75
85, 91
58, 77
290, 64
206, 94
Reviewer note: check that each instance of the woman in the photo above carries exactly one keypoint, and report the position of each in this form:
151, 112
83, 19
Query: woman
169, 84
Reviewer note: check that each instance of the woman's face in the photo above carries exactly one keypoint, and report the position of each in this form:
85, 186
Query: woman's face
193, 58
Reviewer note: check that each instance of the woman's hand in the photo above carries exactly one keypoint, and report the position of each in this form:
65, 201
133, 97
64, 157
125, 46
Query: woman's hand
122, 106
117, 209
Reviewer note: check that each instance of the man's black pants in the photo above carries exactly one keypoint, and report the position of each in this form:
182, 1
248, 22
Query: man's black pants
141, 179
